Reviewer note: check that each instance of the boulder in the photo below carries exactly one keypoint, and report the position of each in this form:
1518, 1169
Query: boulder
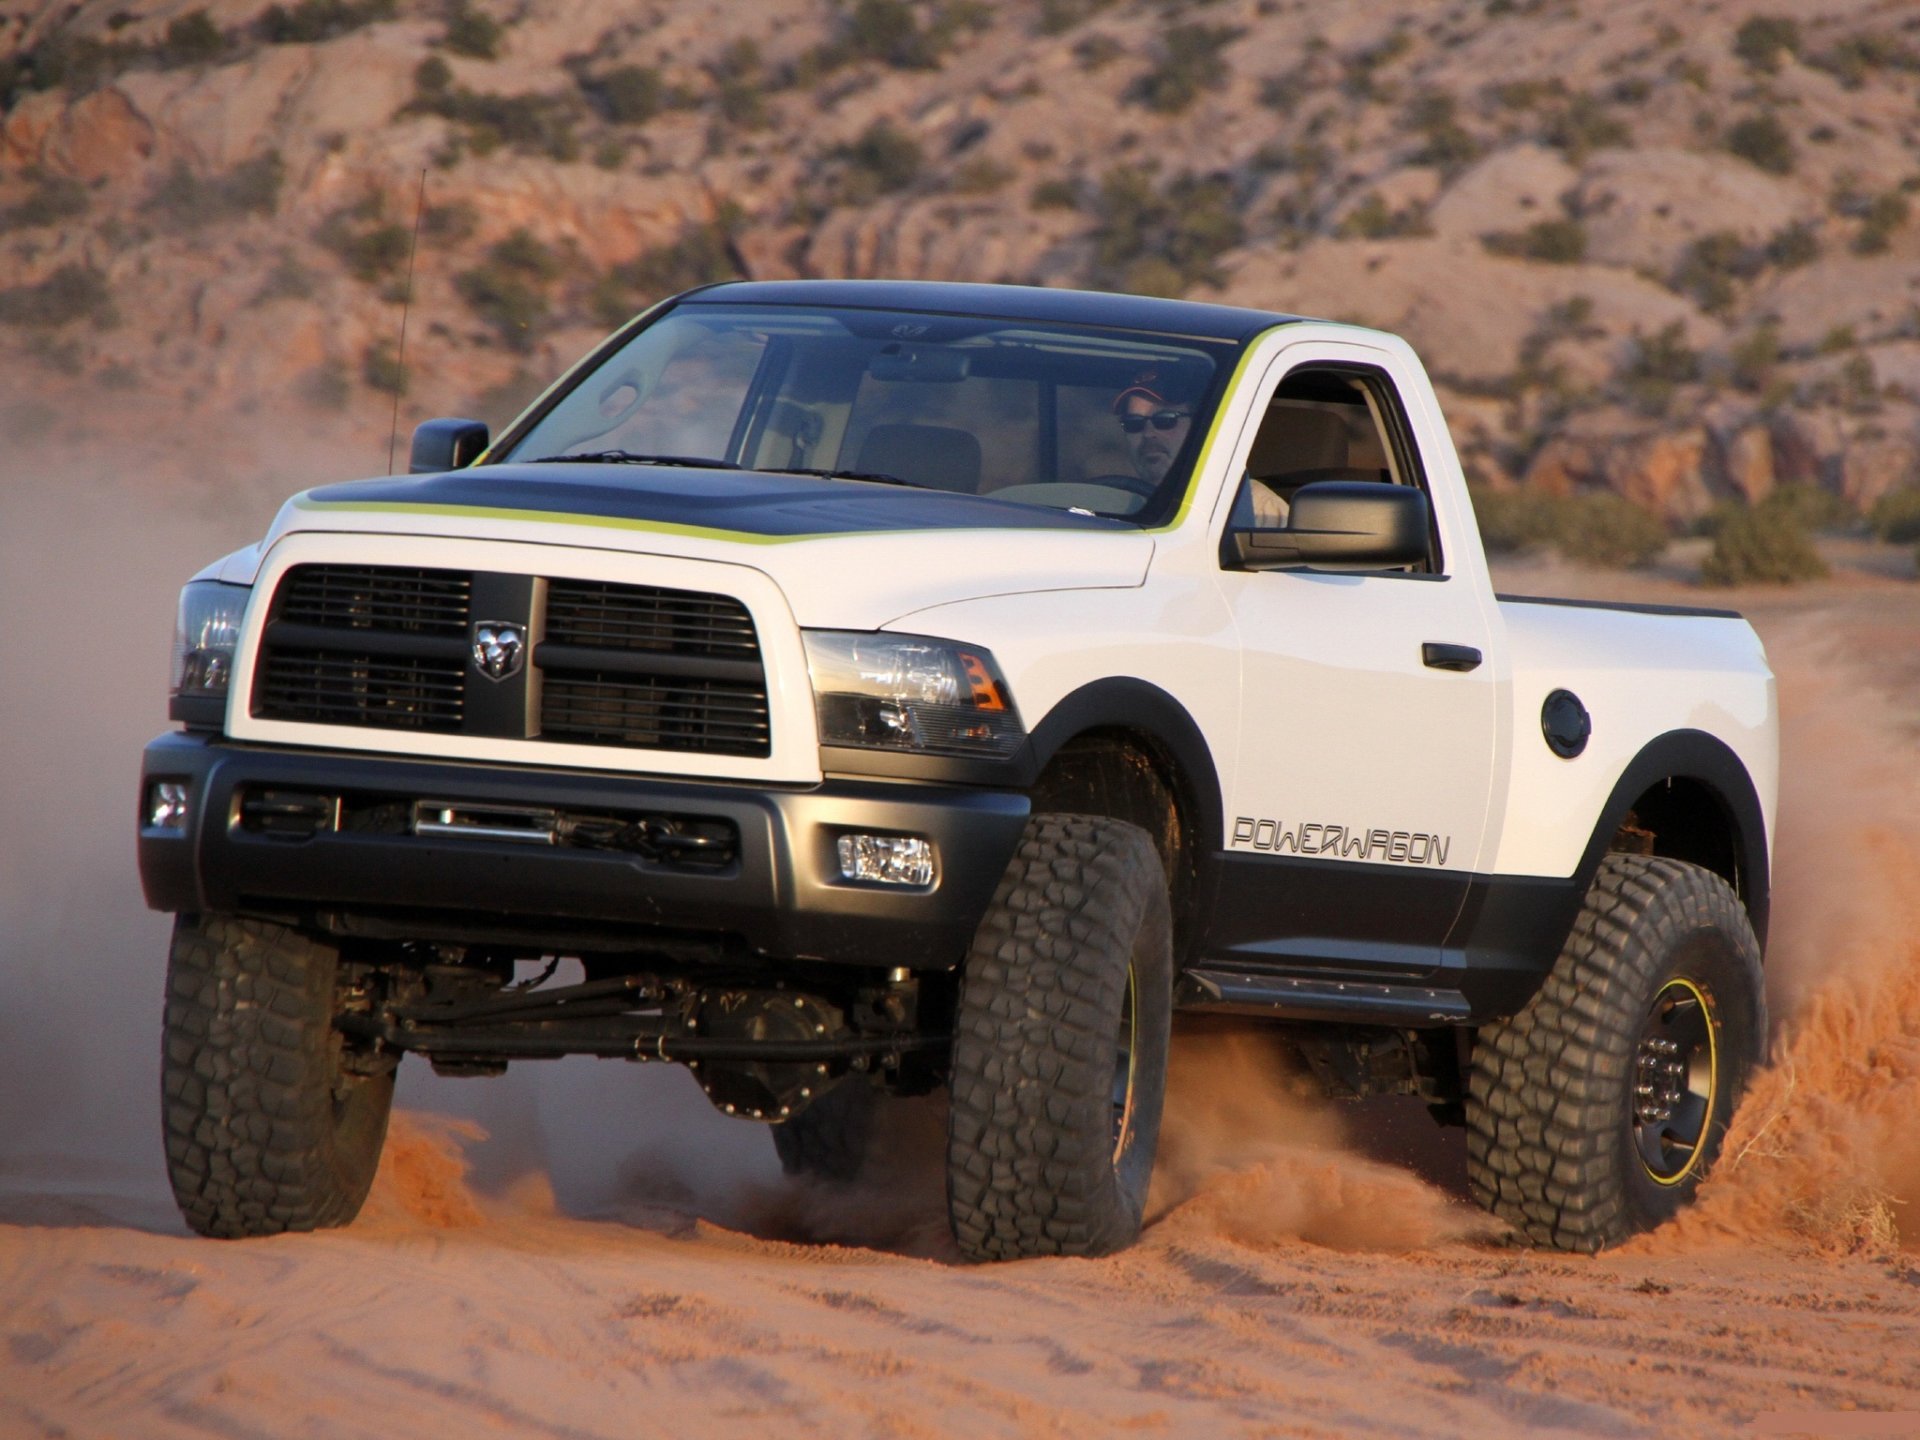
1748, 463
1871, 468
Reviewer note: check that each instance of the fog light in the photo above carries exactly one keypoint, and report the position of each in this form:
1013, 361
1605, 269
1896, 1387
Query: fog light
886, 859
167, 805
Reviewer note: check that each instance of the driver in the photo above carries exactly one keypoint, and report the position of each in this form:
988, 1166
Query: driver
1153, 424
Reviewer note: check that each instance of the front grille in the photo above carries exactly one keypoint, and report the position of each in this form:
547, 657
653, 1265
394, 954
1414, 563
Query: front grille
628, 665
704, 716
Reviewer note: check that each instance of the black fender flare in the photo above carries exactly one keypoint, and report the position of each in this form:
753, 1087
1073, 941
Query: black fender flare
1694, 755
1125, 703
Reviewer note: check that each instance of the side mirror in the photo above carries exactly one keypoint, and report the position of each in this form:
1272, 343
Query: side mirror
446, 445
1341, 524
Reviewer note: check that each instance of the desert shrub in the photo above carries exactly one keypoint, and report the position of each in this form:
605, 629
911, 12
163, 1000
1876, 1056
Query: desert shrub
1762, 140
1371, 219
1896, 515
1761, 39
325, 386
1883, 215
1793, 245
311, 21
1710, 266
77, 62
702, 254
73, 292
980, 175
1754, 356
1597, 528
1609, 530
626, 94
1657, 365
288, 280
1054, 194
191, 39
887, 31
1144, 232
188, 201
739, 88
1855, 58
54, 198
1446, 144
472, 32
372, 247
1098, 51
532, 124
1360, 79
1059, 16
1558, 242
1582, 125
449, 224
509, 290
1813, 508
1512, 520
382, 369
882, 159
1766, 544
1190, 62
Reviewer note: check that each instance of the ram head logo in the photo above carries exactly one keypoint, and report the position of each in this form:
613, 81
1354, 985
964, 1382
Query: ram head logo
499, 648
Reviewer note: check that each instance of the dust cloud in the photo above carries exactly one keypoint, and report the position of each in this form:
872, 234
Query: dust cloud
1826, 1147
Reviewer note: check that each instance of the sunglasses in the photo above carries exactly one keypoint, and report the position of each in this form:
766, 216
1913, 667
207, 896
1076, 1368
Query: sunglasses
1162, 420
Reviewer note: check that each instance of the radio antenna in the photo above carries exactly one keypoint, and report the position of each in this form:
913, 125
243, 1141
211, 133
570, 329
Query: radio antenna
406, 307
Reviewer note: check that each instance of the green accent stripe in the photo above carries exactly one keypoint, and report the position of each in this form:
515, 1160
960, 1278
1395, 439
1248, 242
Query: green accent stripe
592, 522
1213, 431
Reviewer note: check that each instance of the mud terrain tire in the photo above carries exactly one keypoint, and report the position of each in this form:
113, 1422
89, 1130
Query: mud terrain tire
1060, 1046
830, 1138
266, 1128
1655, 1004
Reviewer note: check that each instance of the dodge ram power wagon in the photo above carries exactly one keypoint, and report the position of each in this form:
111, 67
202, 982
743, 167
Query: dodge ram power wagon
873, 687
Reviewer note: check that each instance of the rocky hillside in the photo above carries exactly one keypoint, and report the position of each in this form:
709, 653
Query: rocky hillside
1662, 251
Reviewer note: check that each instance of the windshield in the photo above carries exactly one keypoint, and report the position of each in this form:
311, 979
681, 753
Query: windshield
1095, 420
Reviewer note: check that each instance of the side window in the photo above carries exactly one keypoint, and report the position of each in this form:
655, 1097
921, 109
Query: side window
1328, 424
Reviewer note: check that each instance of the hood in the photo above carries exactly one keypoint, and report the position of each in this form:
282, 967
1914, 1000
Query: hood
847, 554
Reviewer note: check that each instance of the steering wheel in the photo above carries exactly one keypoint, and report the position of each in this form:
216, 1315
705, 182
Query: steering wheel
1132, 484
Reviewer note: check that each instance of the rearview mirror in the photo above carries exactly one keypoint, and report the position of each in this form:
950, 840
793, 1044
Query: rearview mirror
446, 445
1341, 524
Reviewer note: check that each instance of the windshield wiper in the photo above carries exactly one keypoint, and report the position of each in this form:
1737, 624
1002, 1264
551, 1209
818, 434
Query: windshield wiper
628, 457
873, 475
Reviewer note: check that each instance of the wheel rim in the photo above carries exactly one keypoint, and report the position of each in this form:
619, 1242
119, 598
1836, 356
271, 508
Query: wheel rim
1124, 1048
1676, 1081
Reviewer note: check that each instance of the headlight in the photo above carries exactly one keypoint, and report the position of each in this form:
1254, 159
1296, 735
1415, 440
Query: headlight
204, 638
910, 692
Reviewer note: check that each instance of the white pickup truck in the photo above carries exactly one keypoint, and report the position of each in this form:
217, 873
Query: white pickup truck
876, 687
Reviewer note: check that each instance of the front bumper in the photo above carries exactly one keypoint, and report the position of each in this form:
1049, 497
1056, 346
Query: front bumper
779, 895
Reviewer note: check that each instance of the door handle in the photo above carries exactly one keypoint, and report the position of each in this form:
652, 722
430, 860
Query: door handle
1449, 657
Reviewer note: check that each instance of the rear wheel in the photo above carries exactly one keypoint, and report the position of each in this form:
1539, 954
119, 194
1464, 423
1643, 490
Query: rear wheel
272, 1122
1597, 1110
1060, 1046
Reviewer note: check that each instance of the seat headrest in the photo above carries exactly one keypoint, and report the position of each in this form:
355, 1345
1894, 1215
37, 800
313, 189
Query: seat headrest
1293, 437
936, 457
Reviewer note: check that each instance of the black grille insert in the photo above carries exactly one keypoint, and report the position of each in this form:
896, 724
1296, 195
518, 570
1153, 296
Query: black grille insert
377, 597
604, 616
607, 708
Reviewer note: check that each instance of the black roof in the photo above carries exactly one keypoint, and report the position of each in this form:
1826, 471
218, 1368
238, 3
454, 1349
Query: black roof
1012, 302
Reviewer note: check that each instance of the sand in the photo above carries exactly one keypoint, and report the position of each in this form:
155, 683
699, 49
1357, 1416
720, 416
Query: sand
584, 1249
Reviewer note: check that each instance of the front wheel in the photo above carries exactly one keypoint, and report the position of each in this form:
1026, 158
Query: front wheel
272, 1122
1060, 1046
1595, 1112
